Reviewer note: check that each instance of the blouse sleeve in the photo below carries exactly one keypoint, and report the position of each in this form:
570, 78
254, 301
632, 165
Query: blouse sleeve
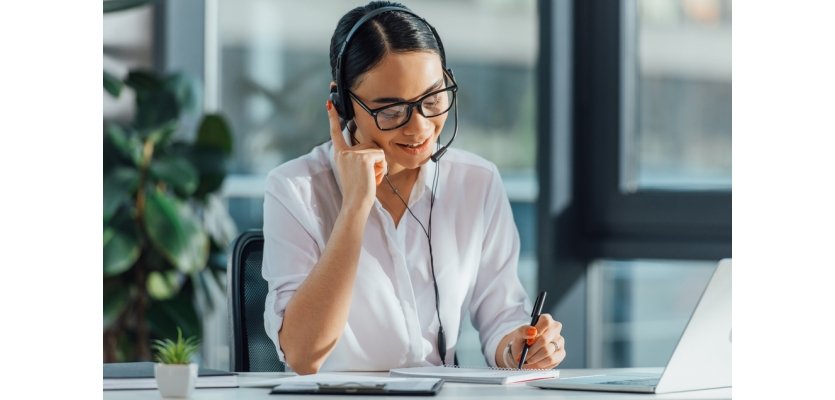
499, 302
290, 251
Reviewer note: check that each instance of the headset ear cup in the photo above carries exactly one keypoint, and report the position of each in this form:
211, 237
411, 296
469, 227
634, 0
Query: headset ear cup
334, 98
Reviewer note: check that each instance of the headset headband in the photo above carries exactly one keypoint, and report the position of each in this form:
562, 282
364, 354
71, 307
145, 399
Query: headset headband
342, 101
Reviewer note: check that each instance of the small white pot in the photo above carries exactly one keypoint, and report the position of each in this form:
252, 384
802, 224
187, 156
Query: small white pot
175, 381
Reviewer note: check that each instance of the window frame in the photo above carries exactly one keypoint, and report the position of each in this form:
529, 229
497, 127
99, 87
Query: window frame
584, 213
648, 223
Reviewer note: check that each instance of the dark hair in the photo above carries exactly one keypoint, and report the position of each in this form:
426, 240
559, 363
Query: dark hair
389, 32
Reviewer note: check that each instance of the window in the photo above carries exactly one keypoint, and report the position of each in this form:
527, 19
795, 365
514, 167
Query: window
638, 309
635, 170
677, 95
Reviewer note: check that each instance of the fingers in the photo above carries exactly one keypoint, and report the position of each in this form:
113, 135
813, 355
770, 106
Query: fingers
547, 323
375, 157
379, 171
516, 346
546, 352
519, 337
339, 143
527, 333
530, 335
546, 345
380, 164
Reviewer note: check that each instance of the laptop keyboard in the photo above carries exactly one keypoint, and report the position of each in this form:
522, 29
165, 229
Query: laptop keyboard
634, 382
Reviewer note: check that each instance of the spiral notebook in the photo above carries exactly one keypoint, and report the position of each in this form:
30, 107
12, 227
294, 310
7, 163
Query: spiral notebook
499, 376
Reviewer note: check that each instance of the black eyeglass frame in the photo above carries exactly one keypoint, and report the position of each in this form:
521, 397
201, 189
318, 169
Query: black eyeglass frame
410, 105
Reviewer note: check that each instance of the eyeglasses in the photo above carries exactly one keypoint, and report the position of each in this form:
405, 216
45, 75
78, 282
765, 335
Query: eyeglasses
396, 115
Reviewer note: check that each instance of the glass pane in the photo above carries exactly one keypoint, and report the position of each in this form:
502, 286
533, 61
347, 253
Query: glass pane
639, 308
677, 95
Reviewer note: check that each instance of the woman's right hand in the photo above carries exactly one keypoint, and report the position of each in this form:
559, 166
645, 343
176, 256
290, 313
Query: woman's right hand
360, 168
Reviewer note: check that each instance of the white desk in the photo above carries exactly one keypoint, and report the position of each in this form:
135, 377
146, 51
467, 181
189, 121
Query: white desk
449, 391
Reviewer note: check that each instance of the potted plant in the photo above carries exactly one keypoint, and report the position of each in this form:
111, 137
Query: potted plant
174, 372
166, 226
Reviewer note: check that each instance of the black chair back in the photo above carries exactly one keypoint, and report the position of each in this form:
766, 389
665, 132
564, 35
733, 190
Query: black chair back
251, 350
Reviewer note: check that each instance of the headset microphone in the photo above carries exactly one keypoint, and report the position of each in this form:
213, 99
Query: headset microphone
440, 153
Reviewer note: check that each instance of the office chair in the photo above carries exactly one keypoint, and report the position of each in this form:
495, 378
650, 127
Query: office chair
251, 349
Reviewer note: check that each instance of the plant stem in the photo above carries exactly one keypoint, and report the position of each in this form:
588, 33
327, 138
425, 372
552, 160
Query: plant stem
109, 346
142, 349
143, 343
144, 165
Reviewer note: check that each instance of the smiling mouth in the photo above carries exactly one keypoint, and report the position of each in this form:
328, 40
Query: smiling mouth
416, 148
414, 145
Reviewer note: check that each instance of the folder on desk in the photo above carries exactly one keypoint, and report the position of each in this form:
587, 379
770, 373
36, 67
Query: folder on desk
341, 384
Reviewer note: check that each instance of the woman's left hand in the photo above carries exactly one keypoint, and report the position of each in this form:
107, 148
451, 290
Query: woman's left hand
546, 345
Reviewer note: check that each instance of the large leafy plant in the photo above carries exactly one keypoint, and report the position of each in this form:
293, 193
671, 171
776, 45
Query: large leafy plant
163, 222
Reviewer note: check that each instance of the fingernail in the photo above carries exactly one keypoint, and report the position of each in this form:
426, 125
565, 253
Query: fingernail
328, 105
531, 331
530, 341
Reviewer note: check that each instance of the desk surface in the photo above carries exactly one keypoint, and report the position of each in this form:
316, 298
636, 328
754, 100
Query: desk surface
449, 391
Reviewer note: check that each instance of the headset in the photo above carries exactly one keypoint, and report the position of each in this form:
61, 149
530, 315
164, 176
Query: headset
342, 103
339, 95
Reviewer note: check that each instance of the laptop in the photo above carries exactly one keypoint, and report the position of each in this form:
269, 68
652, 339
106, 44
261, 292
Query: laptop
701, 359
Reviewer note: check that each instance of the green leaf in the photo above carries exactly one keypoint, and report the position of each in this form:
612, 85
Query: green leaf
125, 141
155, 104
115, 301
179, 352
155, 261
163, 285
143, 81
121, 250
161, 135
154, 109
184, 91
175, 232
211, 165
112, 84
119, 186
165, 316
119, 5
177, 172
214, 134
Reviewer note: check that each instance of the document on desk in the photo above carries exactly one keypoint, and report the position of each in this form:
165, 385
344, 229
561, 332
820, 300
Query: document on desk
357, 384
477, 375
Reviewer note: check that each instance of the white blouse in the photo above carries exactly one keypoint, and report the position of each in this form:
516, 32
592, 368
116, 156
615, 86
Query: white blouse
392, 320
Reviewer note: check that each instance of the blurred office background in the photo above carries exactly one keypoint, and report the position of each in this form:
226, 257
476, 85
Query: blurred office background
610, 123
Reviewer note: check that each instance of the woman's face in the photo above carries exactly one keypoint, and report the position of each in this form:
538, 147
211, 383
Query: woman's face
400, 77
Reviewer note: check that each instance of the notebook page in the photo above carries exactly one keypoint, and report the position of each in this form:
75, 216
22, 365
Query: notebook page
475, 375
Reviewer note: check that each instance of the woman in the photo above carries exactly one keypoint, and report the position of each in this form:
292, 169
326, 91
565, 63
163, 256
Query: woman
359, 277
